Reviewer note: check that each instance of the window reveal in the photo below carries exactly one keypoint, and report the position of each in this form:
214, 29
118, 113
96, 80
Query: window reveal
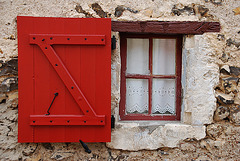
150, 77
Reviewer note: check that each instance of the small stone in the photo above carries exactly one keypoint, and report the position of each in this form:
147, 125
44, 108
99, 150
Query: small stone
203, 11
11, 37
234, 70
148, 13
235, 114
220, 37
11, 115
29, 149
114, 153
230, 84
12, 95
217, 2
225, 69
236, 11
180, 9
3, 98
203, 158
187, 147
232, 42
99, 11
235, 117
11, 133
48, 146
119, 11
221, 113
163, 152
231, 79
225, 98
9, 84
214, 130
205, 144
9, 68
225, 57
13, 100
79, 9
60, 155
237, 98
14, 104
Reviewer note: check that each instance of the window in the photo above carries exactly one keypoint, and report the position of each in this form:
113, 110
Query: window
150, 77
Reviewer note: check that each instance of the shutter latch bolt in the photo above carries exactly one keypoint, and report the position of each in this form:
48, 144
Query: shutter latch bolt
48, 113
85, 147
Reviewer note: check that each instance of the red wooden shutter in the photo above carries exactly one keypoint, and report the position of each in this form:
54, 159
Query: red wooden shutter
64, 63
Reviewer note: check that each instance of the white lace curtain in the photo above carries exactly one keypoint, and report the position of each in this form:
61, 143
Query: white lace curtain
163, 90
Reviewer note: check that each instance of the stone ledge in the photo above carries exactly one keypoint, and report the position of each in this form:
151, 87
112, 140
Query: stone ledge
137, 136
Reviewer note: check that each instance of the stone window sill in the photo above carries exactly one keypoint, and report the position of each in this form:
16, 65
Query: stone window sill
150, 135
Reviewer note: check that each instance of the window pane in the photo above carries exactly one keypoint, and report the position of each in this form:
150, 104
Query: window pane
137, 56
163, 96
164, 56
137, 95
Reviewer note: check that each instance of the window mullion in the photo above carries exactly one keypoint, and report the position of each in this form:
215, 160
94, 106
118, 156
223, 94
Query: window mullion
150, 78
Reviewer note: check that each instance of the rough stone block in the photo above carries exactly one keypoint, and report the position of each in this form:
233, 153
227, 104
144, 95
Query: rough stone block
225, 98
221, 113
128, 136
214, 130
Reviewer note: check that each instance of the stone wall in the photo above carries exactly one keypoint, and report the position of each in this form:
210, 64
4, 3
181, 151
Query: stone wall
211, 83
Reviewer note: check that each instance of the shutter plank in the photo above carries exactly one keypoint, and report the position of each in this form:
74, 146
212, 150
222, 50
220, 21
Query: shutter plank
25, 80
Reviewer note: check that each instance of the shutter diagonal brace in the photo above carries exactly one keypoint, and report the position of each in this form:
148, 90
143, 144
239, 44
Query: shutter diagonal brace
44, 41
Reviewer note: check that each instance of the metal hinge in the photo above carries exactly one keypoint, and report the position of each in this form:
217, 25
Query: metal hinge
113, 45
112, 122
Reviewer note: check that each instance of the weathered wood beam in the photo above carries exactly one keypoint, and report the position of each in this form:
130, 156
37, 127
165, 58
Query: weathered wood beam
166, 27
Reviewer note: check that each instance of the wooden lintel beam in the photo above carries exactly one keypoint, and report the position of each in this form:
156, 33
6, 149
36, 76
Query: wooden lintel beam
166, 27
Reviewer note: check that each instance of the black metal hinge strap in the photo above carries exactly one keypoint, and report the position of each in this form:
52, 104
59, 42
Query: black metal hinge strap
112, 122
113, 45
